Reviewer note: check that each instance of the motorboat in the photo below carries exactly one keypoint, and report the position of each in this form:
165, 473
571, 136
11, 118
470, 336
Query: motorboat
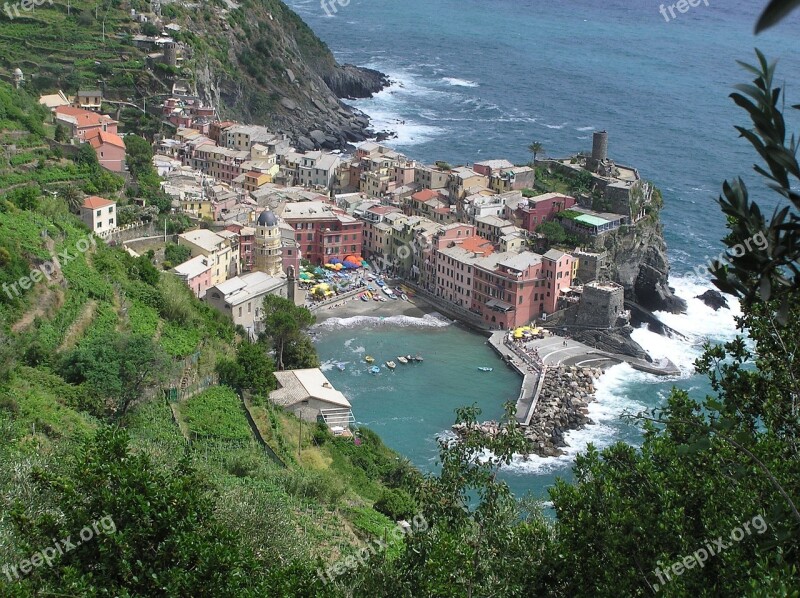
402, 360
485, 369
369, 359
340, 366
364, 297
388, 292
404, 297
376, 298
380, 283
391, 365
375, 369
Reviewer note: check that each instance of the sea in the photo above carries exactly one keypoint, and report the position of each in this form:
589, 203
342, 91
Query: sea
475, 80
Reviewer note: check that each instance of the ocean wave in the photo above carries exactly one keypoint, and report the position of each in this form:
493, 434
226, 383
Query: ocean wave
434, 320
454, 81
585, 129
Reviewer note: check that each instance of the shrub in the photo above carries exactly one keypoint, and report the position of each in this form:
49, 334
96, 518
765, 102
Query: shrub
396, 504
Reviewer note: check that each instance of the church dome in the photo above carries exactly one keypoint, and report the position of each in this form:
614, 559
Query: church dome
267, 218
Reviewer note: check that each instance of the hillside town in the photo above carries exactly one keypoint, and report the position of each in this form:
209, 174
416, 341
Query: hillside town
470, 239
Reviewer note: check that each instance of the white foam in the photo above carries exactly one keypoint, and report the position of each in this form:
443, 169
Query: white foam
454, 81
433, 320
584, 129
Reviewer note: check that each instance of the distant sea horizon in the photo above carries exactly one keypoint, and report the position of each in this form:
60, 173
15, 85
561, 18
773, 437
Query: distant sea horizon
482, 80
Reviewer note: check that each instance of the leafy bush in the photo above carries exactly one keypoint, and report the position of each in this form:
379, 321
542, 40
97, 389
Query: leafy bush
396, 504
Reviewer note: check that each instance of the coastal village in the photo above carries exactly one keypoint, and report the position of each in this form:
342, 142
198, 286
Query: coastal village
512, 249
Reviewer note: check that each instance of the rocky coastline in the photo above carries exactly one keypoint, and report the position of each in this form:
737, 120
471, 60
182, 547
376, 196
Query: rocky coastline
562, 407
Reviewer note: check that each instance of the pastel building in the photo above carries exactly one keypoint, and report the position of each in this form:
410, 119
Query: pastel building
224, 263
196, 273
530, 212
99, 214
323, 231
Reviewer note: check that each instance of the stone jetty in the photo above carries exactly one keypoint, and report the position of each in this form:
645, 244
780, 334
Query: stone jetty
562, 406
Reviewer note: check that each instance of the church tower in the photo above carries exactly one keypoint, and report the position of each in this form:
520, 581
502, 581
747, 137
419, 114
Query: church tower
267, 244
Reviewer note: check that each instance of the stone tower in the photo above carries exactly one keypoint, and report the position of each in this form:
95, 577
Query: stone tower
171, 53
267, 244
599, 146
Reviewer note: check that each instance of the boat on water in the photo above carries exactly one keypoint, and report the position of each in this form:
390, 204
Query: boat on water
402, 359
485, 369
369, 359
418, 359
340, 366
375, 369
391, 365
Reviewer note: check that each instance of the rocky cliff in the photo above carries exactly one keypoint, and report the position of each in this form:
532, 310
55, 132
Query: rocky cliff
637, 259
260, 63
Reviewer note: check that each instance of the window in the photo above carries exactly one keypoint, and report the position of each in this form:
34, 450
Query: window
240, 311
99, 212
110, 222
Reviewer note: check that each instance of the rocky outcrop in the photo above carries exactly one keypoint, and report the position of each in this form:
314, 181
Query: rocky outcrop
714, 299
349, 81
637, 259
563, 406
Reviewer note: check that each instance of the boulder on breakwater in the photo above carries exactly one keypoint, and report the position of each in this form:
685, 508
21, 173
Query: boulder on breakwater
563, 405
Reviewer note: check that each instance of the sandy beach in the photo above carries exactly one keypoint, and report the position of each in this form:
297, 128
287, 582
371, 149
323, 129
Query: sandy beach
415, 308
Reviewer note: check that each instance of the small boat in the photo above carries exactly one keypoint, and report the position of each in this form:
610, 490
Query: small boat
369, 359
402, 360
404, 297
364, 297
418, 359
384, 299
340, 366
388, 292
485, 369
391, 365
376, 298
380, 283
375, 369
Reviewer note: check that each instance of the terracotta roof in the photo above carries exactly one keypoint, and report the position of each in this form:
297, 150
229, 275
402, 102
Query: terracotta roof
478, 245
99, 138
94, 202
425, 195
84, 118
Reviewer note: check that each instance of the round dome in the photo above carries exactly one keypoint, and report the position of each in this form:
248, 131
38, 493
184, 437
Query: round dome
267, 218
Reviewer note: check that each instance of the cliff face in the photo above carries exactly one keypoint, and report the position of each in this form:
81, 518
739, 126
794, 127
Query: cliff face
637, 259
260, 63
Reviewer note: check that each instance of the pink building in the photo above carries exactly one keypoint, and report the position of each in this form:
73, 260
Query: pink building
516, 288
110, 149
530, 212
196, 273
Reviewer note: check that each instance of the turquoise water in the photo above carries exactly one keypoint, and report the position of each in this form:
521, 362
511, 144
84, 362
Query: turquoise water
477, 80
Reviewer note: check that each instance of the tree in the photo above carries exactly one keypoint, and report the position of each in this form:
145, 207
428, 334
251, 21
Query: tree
176, 254
535, 149
553, 232
284, 323
72, 197
154, 530
87, 158
60, 134
118, 367
138, 155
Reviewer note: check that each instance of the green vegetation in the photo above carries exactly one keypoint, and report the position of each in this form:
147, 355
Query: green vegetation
216, 413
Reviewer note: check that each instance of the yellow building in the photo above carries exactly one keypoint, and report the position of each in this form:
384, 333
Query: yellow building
224, 264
